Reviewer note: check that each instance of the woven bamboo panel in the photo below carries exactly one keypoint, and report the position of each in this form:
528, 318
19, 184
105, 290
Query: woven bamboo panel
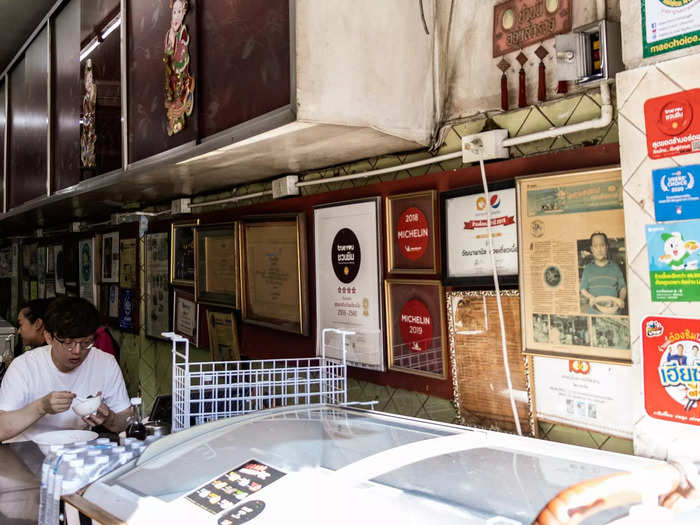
480, 385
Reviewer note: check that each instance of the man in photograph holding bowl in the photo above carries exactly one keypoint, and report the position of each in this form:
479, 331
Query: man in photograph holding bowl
602, 282
40, 386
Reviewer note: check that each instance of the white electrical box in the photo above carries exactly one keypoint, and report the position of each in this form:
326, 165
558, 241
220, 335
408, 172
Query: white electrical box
486, 145
180, 206
591, 53
285, 187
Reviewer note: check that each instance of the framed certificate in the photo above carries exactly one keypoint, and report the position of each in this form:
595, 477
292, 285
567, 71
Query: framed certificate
411, 231
223, 336
185, 316
157, 296
348, 264
274, 272
110, 257
465, 241
573, 278
59, 268
415, 325
182, 262
216, 268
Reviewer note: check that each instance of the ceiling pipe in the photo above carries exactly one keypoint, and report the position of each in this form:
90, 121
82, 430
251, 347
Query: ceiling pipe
232, 199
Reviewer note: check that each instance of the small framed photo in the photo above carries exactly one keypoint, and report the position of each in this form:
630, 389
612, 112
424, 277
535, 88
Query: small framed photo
274, 280
415, 321
186, 316
216, 268
182, 262
223, 335
411, 225
465, 239
110, 257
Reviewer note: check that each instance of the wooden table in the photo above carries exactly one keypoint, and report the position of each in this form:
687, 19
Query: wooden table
20, 479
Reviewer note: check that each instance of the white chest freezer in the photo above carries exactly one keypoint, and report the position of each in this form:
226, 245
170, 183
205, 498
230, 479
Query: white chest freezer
339, 465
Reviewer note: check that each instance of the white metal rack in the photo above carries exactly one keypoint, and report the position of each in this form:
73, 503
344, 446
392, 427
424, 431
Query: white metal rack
207, 391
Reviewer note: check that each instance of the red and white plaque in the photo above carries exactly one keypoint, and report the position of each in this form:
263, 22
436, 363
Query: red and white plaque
673, 124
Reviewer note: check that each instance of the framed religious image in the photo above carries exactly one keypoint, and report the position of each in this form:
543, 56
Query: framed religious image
415, 327
465, 237
411, 231
110, 257
157, 280
348, 266
86, 277
223, 336
185, 316
274, 272
59, 268
573, 270
216, 268
476, 359
182, 266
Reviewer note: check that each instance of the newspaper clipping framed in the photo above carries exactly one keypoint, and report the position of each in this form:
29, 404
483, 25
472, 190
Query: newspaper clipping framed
348, 239
476, 359
157, 280
573, 268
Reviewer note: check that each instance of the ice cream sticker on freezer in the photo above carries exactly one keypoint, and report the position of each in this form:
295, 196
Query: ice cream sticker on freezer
674, 254
671, 361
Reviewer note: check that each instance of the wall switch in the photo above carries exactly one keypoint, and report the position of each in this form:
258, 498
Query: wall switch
487, 145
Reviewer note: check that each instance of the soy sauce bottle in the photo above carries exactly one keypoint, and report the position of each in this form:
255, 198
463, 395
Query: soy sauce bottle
134, 426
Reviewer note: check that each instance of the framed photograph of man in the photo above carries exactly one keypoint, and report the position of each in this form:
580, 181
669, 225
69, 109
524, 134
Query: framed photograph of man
86, 277
182, 261
411, 226
573, 272
274, 283
465, 239
415, 322
216, 266
110, 257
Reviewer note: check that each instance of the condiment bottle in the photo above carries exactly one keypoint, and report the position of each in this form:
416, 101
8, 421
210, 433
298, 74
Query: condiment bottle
134, 427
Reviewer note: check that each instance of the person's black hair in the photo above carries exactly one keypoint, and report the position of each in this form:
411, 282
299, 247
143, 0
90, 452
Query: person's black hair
35, 309
605, 238
71, 318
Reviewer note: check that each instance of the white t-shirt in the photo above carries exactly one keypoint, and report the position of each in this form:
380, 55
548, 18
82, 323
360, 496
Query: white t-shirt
33, 375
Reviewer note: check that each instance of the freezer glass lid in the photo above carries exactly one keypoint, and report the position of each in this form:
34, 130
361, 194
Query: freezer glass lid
291, 440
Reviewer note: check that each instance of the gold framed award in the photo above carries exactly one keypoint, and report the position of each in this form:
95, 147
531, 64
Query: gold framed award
216, 268
274, 272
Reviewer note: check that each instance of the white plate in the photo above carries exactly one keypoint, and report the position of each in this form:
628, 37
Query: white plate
62, 437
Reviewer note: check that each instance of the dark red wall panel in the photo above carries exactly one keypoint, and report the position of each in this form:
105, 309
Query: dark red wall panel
148, 23
3, 128
66, 96
106, 63
244, 61
28, 123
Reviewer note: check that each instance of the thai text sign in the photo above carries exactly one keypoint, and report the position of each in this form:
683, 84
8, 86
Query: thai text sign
668, 25
673, 261
676, 193
671, 361
519, 23
673, 124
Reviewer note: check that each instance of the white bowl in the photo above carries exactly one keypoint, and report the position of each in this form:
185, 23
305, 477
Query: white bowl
62, 437
87, 406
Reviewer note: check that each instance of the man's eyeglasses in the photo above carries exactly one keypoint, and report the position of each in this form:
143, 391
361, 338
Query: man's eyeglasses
84, 345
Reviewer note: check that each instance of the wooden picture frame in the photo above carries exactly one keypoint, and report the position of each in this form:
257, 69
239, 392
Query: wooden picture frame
559, 216
157, 280
274, 272
415, 327
411, 233
186, 315
216, 264
109, 271
223, 335
465, 259
182, 253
